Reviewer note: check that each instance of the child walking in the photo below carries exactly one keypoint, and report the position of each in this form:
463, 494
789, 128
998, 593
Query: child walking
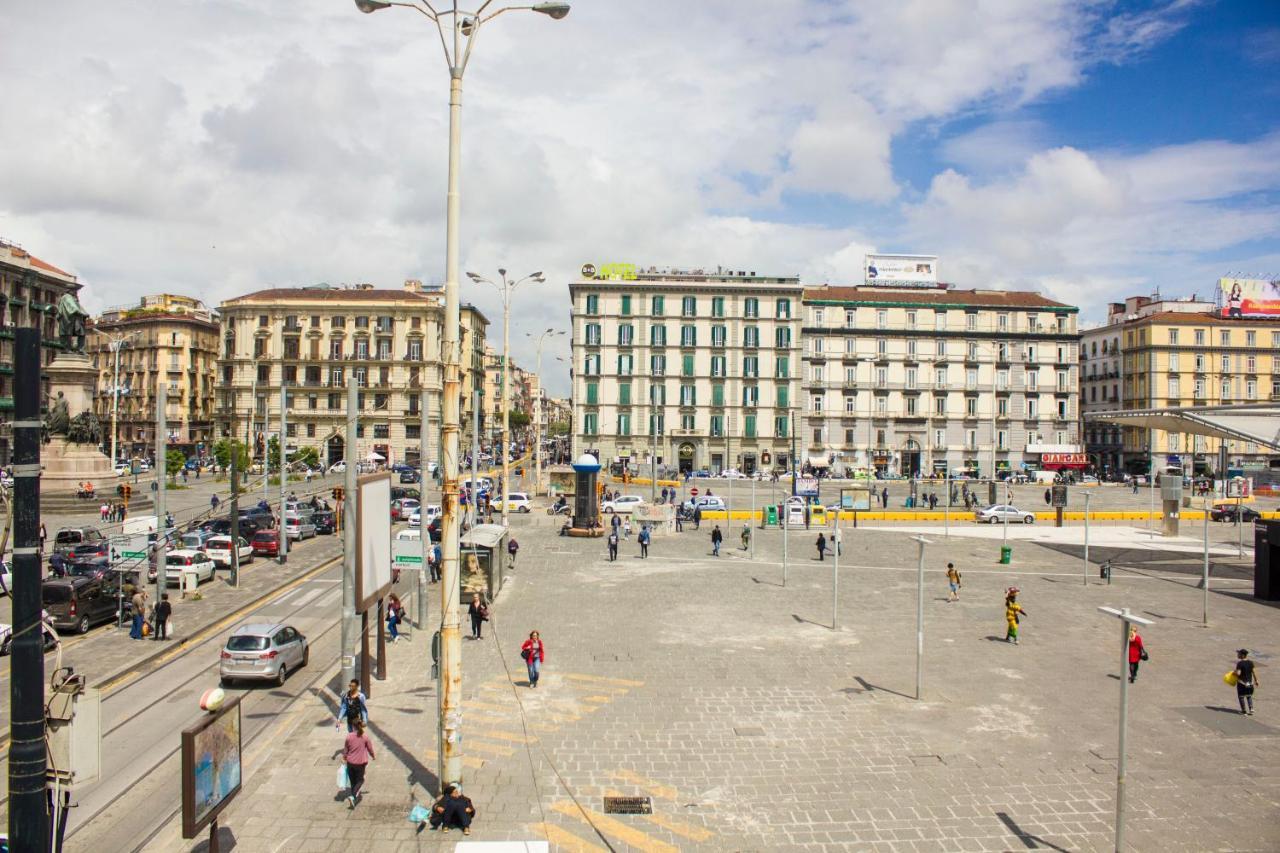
1013, 614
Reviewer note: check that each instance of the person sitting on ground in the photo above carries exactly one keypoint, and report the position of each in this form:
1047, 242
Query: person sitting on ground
452, 810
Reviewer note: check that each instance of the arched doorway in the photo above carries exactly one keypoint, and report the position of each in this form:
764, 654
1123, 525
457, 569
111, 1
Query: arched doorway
335, 449
911, 458
685, 455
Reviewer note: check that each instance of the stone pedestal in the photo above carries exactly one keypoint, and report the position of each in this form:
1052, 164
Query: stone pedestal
66, 465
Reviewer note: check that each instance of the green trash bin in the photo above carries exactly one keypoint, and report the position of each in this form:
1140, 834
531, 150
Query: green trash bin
1006, 554
771, 515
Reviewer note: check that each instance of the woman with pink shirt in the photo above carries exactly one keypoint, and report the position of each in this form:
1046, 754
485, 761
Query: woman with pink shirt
357, 752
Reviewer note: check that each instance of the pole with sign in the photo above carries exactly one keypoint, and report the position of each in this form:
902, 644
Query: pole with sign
1126, 619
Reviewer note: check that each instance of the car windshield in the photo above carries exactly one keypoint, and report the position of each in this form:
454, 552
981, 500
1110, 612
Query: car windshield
177, 560
218, 545
56, 594
246, 643
67, 537
264, 537
86, 569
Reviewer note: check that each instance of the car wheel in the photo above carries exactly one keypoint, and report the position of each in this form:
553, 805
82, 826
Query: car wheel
306, 655
524, 509
282, 675
1030, 519
82, 627
224, 681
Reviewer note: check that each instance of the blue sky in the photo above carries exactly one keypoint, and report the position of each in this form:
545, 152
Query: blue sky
1087, 149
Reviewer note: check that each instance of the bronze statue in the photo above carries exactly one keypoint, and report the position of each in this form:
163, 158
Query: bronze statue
58, 420
84, 429
71, 323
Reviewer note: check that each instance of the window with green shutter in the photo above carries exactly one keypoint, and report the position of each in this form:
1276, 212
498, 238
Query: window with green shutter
749, 426
782, 367
593, 393
686, 365
717, 306
626, 304
593, 303
624, 394
782, 397
780, 426
589, 424
656, 307
717, 395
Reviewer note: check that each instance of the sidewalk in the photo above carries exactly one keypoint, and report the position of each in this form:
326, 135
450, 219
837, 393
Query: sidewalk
726, 699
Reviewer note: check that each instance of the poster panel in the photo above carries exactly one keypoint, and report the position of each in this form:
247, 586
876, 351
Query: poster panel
373, 539
211, 766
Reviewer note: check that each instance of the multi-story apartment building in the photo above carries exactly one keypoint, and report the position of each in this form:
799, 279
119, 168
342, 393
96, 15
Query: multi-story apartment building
1180, 353
163, 338
696, 367
29, 291
315, 338
932, 380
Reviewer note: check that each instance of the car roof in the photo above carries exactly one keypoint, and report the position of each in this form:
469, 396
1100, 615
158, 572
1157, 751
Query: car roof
258, 629
183, 552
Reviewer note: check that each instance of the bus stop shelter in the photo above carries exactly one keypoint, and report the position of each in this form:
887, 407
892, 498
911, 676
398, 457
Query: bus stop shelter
1259, 423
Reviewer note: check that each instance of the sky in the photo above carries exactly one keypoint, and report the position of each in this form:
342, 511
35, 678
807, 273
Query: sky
1089, 150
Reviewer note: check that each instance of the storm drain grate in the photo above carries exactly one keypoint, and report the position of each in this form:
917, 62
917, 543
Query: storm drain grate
628, 805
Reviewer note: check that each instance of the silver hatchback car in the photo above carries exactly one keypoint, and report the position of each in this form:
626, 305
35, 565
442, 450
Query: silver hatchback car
263, 652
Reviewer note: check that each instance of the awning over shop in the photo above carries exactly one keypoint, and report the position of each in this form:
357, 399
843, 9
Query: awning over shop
818, 462
1258, 423
1056, 461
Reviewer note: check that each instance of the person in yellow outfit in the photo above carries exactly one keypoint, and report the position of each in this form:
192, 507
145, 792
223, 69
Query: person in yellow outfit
1013, 613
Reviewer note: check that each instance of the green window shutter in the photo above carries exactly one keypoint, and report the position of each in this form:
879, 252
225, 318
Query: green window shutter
717, 395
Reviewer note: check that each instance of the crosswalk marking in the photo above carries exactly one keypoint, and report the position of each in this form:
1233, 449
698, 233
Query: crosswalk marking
621, 682
311, 596
615, 828
684, 830
563, 839
665, 792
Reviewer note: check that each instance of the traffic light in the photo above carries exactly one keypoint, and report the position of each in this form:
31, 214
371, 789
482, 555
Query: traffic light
334, 492
339, 493
128, 492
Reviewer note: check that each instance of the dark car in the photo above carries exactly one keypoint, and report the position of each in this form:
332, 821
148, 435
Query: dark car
409, 476
90, 567
79, 603
66, 539
1227, 512
222, 526
265, 543
324, 521
399, 492
89, 550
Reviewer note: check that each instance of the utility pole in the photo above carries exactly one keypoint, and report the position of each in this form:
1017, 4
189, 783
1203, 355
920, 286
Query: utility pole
476, 397
920, 616
542, 411
235, 515
1126, 618
1204, 582
349, 522
28, 805
421, 623
1086, 538
792, 412
835, 575
161, 471
284, 404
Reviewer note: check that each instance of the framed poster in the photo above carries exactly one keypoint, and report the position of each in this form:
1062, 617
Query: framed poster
373, 540
211, 766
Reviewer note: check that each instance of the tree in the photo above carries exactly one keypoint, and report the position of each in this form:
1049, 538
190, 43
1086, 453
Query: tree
305, 456
174, 462
519, 420
273, 454
223, 450
558, 428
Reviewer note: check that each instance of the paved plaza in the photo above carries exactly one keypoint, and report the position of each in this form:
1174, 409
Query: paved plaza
706, 685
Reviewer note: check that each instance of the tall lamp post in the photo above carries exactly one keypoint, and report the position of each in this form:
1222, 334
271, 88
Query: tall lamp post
505, 287
462, 29
115, 344
542, 407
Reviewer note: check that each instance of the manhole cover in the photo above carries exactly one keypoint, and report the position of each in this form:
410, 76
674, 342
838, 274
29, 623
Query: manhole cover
628, 805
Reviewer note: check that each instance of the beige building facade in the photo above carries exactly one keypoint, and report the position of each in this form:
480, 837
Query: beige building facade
932, 380
697, 368
164, 338
314, 340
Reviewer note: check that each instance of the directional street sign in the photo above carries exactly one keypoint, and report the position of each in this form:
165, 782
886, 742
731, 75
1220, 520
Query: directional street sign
406, 554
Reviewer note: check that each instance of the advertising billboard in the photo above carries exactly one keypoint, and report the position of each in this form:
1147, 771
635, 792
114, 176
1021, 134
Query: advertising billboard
1249, 297
912, 270
211, 766
373, 540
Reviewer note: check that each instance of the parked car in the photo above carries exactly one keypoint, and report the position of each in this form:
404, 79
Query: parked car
409, 476
409, 535
89, 550
401, 509
195, 539
732, 474
262, 652
400, 493
339, 467
184, 562
219, 550
222, 527
299, 525
432, 511
123, 469
999, 513
704, 502
67, 538
265, 543
6, 577
325, 521
1227, 512
91, 567
516, 502
622, 503
78, 603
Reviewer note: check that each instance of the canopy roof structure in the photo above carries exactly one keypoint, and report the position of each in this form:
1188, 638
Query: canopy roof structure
1259, 423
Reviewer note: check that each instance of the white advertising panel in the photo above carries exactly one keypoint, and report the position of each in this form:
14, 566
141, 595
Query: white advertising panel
373, 540
916, 270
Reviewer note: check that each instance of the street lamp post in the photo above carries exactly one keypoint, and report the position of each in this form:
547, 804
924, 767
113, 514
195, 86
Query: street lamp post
505, 288
462, 29
1126, 619
542, 396
115, 344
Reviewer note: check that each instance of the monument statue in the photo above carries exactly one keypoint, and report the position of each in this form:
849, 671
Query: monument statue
58, 420
71, 323
85, 429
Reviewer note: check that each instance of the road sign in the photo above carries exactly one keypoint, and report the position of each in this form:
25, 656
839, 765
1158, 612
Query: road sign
1058, 496
128, 549
406, 554
693, 492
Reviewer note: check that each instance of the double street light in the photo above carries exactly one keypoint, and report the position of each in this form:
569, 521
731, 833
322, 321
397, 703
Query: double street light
505, 287
541, 409
461, 27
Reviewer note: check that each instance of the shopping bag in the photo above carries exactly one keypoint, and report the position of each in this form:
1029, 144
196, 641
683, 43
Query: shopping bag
419, 814
146, 629
343, 781
1231, 678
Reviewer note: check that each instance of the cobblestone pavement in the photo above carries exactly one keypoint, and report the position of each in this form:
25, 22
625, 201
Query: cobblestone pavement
726, 698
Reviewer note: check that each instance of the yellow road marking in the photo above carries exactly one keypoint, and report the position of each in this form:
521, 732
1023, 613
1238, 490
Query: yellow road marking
491, 706
597, 698
621, 682
616, 828
472, 762
563, 839
684, 830
481, 746
665, 792
500, 735
489, 719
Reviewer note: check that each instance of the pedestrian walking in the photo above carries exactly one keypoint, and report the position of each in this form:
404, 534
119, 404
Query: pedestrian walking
393, 618
103, 510
163, 611
615, 523
479, 613
353, 708
535, 655
612, 542
1048, 496
697, 518
808, 514
626, 528
57, 565
513, 548
1137, 652
716, 538
644, 542
1135, 485
139, 602
680, 520
357, 752
884, 497
837, 537
1013, 614
822, 546
1246, 679
43, 535
746, 537
452, 810
953, 581
213, 503
435, 563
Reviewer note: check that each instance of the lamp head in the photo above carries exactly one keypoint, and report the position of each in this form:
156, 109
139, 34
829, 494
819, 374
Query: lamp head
368, 6
555, 11
501, 271
473, 277
468, 26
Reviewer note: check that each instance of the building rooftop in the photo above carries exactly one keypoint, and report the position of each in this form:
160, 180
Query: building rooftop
935, 296
720, 275
334, 294
17, 255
